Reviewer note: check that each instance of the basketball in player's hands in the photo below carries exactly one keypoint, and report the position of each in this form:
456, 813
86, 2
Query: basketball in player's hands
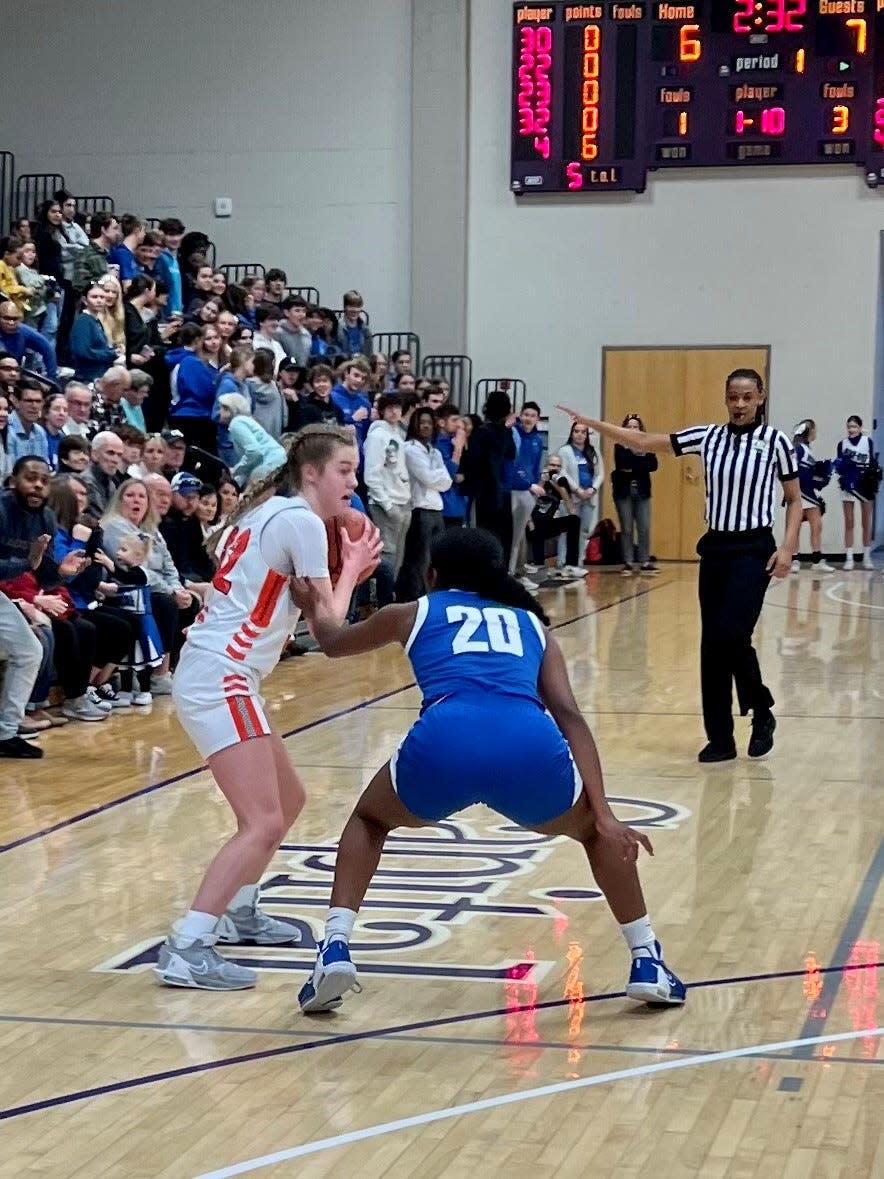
355, 523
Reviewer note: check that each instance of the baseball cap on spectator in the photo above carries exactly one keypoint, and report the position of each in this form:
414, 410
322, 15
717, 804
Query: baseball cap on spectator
173, 438
186, 484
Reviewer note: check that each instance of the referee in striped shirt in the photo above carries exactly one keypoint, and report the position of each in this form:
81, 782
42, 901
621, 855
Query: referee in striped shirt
744, 464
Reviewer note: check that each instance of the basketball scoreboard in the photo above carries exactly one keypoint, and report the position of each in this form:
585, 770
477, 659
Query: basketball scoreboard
603, 92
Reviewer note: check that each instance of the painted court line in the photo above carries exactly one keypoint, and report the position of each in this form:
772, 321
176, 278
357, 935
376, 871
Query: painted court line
488, 1103
356, 1037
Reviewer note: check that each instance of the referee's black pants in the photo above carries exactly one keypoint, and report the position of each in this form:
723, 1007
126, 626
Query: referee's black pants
733, 582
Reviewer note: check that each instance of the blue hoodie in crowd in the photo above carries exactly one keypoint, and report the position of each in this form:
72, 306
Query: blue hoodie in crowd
454, 503
526, 466
193, 385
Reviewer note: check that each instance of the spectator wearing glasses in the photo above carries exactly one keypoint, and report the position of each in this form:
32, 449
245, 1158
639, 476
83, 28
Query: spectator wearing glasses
25, 436
79, 399
17, 338
91, 263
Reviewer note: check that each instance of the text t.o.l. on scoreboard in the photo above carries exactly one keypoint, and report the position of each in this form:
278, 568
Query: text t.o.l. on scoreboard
603, 92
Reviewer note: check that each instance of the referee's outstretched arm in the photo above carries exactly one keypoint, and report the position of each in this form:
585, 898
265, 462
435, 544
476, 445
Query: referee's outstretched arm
631, 439
781, 561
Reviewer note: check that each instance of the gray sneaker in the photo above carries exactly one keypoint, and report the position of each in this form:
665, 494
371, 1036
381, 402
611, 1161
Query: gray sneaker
198, 964
81, 708
161, 685
250, 926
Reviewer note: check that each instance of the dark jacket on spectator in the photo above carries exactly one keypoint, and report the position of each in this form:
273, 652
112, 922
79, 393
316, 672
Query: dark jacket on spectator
139, 333
25, 338
184, 538
630, 467
100, 488
48, 253
90, 351
491, 449
19, 527
311, 410
90, 264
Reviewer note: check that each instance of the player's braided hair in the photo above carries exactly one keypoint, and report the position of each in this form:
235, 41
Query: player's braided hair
312, 446
472, 559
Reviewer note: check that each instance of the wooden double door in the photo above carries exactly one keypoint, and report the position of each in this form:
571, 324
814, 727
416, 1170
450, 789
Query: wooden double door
670, 388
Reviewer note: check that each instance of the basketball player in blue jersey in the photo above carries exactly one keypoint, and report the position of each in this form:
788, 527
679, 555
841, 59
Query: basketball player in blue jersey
488, 669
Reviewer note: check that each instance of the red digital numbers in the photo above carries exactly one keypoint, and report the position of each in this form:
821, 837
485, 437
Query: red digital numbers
770, 121
589, 125
535, 90
878, 133
771, 16
575, 176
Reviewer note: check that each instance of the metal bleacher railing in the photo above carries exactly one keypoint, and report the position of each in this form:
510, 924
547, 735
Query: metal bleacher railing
7, 189
457, 370
390, 342
235, 272
308, 294
95, 204
32, 189
515, 386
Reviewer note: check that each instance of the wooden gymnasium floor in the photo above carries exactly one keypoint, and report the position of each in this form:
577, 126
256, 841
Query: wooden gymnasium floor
492, 1034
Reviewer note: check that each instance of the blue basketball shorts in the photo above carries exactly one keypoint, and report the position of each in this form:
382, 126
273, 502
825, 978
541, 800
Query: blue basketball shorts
508, 754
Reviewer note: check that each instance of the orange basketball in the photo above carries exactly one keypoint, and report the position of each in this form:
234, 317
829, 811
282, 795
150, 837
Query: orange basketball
355, 523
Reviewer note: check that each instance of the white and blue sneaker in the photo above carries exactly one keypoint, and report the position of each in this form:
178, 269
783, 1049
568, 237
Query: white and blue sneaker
651, 981
333, 976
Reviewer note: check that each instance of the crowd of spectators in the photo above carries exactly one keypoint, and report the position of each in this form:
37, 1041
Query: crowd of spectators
140, 393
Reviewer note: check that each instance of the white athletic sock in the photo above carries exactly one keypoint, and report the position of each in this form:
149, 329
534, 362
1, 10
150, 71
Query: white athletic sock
194, 925
867, 552
639, 934
247, 897
339, 925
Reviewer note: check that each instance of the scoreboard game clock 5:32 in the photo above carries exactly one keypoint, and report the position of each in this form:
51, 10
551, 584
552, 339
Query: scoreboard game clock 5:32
603, 92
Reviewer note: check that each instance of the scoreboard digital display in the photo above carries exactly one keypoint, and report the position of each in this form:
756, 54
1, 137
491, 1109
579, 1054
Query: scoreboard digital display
601, 93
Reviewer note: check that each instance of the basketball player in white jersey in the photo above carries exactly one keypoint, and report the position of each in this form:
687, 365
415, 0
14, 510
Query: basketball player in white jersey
278, 531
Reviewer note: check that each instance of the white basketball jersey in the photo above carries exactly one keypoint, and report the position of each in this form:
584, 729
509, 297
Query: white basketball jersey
249, 613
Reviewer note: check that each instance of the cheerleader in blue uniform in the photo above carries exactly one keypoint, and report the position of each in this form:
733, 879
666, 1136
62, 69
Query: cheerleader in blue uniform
859, 474
489, 670
813, 476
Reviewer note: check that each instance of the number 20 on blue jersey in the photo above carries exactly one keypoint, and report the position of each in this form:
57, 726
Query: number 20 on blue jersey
501, 627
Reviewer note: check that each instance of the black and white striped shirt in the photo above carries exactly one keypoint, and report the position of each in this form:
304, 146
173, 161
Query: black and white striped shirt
741, 466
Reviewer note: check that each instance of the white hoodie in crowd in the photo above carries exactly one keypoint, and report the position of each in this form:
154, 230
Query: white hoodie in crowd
429, 475
385, 472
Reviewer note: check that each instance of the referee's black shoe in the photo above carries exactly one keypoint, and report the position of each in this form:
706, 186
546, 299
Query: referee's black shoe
761, 740
710, 753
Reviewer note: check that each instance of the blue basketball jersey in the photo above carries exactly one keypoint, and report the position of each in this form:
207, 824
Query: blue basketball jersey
462, 644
